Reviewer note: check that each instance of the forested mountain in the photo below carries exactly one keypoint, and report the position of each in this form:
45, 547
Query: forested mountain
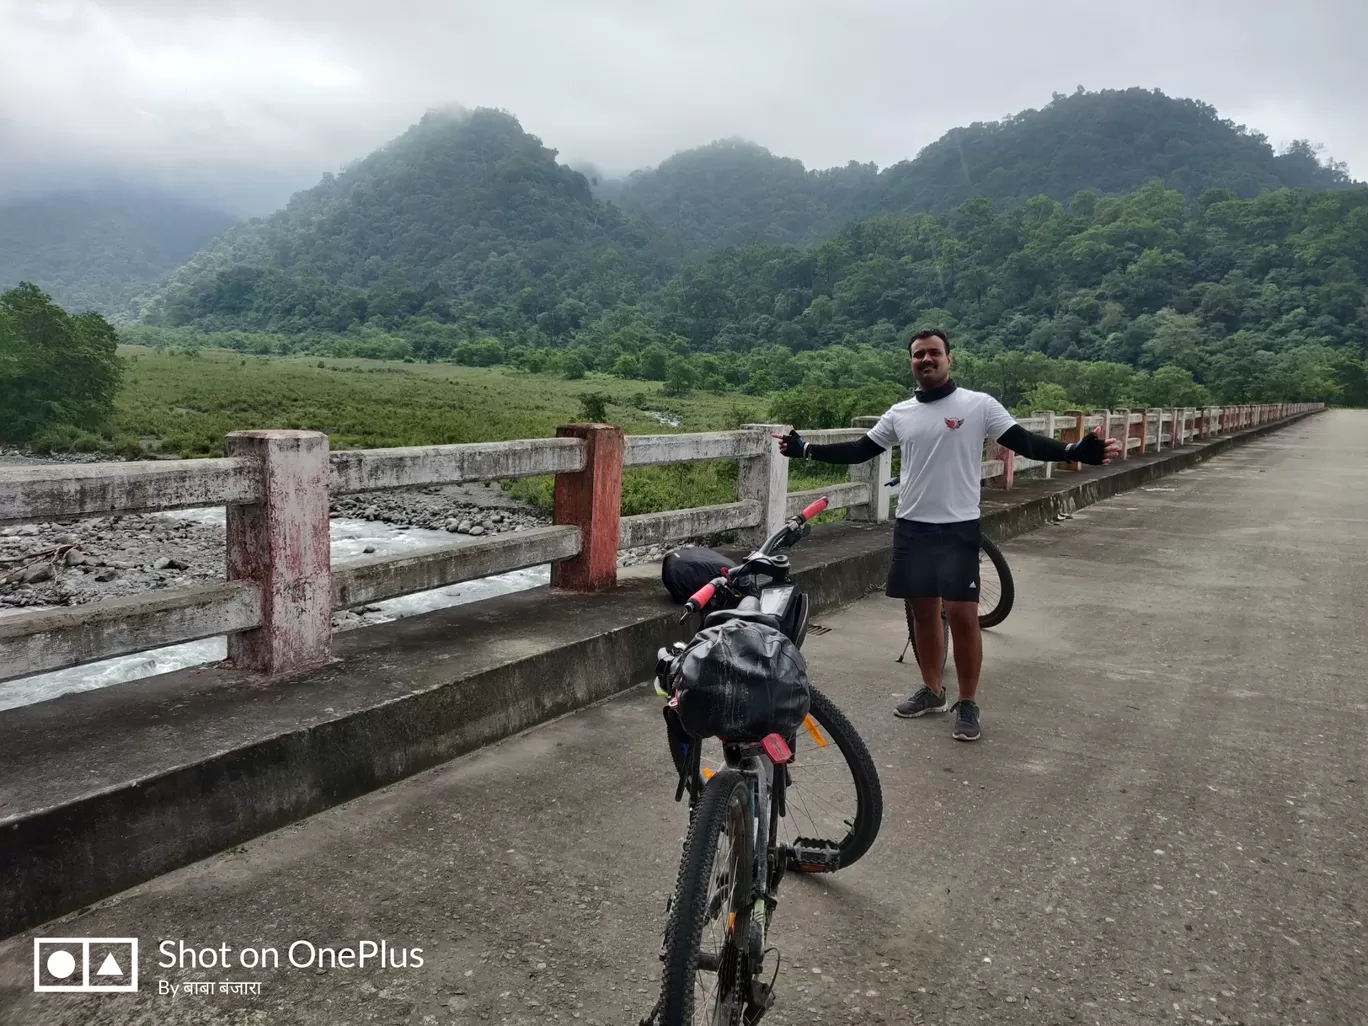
735, 192
1110, 142
465, 218
464, 239
91, 250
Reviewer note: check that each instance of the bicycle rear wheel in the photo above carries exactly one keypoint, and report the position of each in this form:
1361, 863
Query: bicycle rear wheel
706, 959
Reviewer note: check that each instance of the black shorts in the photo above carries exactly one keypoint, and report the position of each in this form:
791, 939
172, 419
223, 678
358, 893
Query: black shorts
934, 561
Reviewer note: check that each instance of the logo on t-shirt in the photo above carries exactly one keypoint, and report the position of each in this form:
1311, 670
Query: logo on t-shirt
953, 424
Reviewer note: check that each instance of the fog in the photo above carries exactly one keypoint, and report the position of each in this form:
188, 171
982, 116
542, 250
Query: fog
239, 103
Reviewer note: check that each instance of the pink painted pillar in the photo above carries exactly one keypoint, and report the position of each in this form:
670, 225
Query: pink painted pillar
1120, 430
592, 500
281, 544
1072, 433
1008, 458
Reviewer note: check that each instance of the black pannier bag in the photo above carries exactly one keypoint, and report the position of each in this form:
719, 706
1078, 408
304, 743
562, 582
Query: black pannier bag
740, 681
685, 570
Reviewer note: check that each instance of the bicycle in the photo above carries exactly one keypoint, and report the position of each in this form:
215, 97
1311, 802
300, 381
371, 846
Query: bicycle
743, 804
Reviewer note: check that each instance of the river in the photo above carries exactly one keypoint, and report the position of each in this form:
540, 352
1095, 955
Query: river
350, 537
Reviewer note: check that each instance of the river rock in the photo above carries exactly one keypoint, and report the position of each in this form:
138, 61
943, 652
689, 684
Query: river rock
106, 575
477, 530
36, 574
453, 526
464, 527
74, 557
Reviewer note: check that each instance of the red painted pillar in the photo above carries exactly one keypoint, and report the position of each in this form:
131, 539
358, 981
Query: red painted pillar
282, 545
592, 500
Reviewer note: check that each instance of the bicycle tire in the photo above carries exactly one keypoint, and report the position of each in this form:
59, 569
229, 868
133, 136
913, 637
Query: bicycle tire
999, 612
724, 807
868, 789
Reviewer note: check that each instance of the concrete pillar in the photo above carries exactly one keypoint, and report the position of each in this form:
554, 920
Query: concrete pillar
1120, 430
1141, 430
1048, 416
1176, 428
1071, 432
282, 545
1008, 458
592, 501
873, 473
764, 479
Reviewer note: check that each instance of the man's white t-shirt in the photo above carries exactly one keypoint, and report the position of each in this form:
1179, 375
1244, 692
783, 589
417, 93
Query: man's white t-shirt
942, 452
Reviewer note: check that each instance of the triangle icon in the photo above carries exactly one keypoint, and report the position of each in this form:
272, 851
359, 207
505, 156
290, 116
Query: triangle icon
109, 967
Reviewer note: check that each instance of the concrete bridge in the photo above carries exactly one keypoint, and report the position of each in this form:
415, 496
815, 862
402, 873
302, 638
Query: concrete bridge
1166, 811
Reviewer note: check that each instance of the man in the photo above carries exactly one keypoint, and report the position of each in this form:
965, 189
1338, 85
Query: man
936, 534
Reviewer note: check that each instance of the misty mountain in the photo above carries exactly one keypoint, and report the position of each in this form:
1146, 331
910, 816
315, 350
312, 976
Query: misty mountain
1110, 142
464, 206
91, 249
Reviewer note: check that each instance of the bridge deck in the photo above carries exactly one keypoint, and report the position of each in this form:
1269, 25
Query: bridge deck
1165, 821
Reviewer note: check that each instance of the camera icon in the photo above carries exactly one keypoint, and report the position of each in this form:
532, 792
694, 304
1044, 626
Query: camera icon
86, 965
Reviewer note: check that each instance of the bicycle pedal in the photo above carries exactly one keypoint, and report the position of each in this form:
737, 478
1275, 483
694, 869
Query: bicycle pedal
816, 856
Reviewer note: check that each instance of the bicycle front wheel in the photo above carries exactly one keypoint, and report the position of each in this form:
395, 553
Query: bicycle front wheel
833, 797
706, 962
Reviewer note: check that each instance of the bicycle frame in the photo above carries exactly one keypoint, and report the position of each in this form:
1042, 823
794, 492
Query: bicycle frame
760, 763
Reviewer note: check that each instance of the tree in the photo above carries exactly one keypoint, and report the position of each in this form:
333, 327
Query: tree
55, 369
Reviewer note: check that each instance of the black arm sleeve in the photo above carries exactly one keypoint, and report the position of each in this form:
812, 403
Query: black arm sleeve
858, 451
1033, 446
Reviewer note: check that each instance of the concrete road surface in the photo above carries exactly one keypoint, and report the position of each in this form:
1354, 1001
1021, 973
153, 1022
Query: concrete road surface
1165, 821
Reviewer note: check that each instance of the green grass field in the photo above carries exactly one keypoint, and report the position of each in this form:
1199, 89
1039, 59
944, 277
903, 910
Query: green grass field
187, 404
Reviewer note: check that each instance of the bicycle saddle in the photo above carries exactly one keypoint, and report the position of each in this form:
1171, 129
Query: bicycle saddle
752, 615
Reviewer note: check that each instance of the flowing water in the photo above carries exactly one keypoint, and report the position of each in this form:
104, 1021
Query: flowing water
349, 540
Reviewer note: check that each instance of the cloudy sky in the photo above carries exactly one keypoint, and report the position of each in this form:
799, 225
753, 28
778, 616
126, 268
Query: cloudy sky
243, 101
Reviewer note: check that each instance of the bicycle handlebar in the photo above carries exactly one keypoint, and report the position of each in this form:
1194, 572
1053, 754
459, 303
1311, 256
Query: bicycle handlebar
790, 534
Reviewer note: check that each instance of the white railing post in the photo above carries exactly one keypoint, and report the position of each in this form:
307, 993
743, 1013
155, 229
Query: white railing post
872, 473
764, 479
281, 544
1048, 416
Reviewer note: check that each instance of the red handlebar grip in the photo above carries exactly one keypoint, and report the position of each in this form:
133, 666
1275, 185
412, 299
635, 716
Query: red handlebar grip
702, 596
815, 508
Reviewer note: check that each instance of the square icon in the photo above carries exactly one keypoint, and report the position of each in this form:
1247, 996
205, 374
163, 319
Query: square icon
87, 965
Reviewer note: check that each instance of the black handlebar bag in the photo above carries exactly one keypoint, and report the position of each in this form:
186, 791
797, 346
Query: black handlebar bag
740, 681
685, 570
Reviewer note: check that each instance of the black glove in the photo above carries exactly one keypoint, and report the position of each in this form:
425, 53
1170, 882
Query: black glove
792, 445
1090, 449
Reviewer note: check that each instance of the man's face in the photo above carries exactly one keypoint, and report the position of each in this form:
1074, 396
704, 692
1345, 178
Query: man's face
930, 362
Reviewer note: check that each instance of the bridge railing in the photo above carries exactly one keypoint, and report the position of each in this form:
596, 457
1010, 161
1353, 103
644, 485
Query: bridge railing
281, 587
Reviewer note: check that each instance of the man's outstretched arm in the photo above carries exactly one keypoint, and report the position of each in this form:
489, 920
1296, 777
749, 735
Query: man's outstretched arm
1091, 448
858, 451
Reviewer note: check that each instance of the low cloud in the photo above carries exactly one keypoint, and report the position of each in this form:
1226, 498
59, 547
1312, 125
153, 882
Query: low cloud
243, 102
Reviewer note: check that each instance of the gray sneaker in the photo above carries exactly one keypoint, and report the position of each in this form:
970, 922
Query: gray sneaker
966, 720
923, 702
